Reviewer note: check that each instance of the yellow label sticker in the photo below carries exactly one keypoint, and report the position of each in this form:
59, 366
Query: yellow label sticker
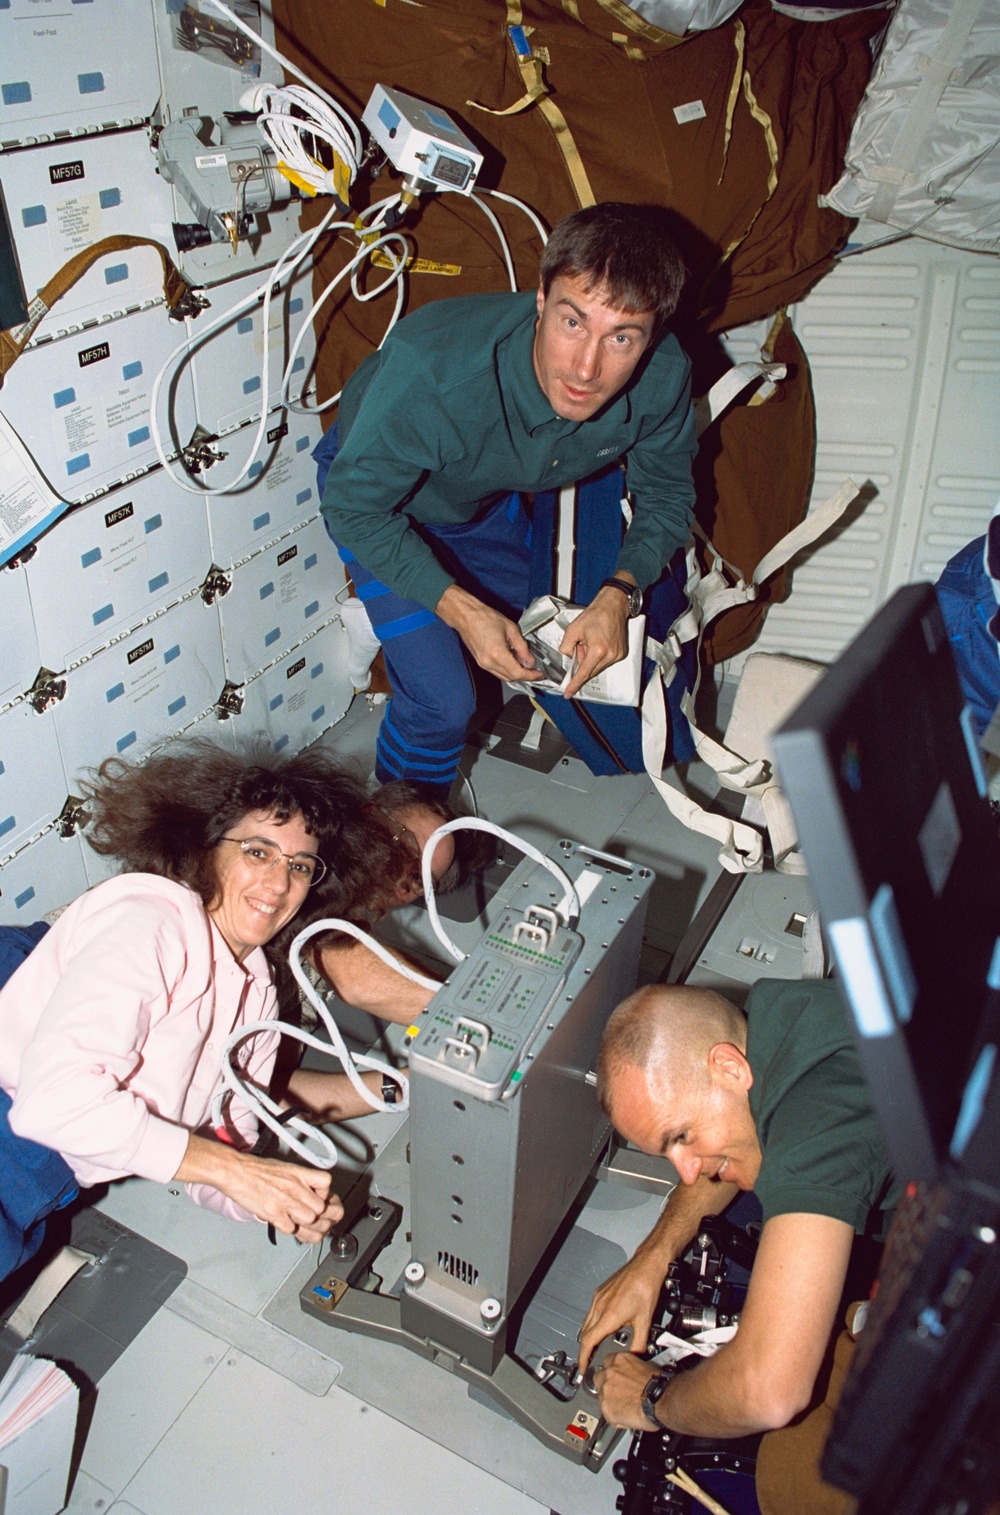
381, 259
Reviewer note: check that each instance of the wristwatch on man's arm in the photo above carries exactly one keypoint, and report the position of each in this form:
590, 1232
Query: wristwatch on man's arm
631, 591
652, 1394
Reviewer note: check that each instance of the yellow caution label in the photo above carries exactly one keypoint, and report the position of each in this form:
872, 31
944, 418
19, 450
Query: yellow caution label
381, 259
295, 178
413, 1030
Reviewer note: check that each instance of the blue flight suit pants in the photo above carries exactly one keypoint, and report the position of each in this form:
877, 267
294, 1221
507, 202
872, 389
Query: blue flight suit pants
433, 698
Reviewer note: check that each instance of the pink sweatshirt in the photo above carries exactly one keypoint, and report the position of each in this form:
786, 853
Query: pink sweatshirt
112, 1030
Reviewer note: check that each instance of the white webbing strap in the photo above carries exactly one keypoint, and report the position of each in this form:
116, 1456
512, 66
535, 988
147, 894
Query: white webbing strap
742, 848
733, 382
742, 844
51, 1281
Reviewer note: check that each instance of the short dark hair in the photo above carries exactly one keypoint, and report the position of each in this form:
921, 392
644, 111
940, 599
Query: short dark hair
169, 815
629, 249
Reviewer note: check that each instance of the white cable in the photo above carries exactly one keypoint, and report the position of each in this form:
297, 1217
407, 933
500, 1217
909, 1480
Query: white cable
504, 244
263, 1106
351, 268
568, 908
284, 131
285, 267
533, 216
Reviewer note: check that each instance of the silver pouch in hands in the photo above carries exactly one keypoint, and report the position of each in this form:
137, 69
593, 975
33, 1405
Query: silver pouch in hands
543, 626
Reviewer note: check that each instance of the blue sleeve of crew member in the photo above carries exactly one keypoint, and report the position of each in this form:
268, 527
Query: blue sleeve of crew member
658, 472
398, 436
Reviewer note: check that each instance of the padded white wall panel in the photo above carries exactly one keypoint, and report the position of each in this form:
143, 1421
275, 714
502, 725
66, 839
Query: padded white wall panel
134, 695
278, 598
19, 659
301, 696
81, 405
228, 366
67, 68
904, 346
281, 492
40, 878
63, 198
32, 780
108, 566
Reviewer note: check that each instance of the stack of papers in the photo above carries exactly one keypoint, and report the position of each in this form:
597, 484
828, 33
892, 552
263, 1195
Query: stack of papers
38, 1410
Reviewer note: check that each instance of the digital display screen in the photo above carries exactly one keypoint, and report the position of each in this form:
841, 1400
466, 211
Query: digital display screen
454, 171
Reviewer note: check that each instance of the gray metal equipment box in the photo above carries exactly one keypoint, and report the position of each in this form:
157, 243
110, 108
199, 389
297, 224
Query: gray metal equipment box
505, 1126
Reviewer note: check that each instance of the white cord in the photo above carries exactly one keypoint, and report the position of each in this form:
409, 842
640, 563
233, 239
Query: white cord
396, 274
284, 131
263, 1106
504, 244
285, 267
568, 908
533, 216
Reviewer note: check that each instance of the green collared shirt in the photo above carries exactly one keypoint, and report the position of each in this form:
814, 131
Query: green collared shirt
448, 417
821, 1149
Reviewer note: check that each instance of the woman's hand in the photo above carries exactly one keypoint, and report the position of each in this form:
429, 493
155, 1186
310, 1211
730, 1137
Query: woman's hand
295, 1199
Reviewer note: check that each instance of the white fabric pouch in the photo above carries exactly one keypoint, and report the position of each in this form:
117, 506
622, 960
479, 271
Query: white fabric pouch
545, 623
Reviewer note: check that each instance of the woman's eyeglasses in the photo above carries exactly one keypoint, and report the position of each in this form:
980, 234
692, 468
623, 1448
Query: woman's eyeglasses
304, 867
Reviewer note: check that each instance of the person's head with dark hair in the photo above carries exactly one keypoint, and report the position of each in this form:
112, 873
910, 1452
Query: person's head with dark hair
254, 834
627, 251
611, 277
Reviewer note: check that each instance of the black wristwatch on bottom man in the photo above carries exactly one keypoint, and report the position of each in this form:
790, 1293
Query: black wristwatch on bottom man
653, 1393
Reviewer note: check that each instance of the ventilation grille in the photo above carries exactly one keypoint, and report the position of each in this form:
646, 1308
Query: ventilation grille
457, 1267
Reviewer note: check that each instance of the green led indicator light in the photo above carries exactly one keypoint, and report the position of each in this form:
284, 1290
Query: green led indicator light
515, 1078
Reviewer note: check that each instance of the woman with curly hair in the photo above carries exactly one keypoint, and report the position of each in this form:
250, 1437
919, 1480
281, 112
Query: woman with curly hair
112, 1028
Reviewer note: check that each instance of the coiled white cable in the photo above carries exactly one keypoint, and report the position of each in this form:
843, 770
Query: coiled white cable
314, 118
323, 1154
568, 907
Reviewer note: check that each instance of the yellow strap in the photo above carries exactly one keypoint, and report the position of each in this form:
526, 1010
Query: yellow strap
734, 93
572, 9
570, 151
530, 68
629, 48
761, 115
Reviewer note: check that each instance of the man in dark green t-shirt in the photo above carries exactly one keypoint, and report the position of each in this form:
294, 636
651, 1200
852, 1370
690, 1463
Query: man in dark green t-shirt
774, 1102
470, 404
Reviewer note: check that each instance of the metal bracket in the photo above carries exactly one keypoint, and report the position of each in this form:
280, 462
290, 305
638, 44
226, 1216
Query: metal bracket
230, 701
46, 690
216, 585
71, 817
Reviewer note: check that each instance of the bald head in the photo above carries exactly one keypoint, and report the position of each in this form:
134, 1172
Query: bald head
667, 1030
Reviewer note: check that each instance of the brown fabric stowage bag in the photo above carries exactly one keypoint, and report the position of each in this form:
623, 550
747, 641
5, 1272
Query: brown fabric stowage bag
778, 97
788, 1476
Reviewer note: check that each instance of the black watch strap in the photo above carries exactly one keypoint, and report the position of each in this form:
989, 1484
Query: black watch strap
652, 1395
631, 593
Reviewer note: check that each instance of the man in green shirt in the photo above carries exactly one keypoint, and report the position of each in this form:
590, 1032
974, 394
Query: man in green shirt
471, 403
775, 1103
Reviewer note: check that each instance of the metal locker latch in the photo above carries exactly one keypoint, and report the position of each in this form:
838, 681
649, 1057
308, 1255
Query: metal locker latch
46, 690
217, 584
230, 701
